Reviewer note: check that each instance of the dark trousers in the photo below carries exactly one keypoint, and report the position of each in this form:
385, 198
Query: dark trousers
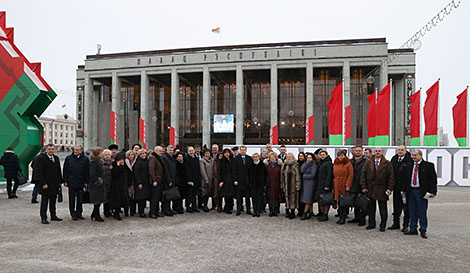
273, 205
383, 212
191, 201
141, 205
177, 205
360, 215
257, 198
398, 206
240, 195
418, 210
34, 195
132, 206
75, 208
155, 199
107, 209
15, 187
228, 203
165, 205
48, 200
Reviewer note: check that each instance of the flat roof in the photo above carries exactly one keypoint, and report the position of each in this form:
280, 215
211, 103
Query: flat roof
245, 46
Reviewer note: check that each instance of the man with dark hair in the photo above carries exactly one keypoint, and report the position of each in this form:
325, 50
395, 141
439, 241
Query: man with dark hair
11, 168
170, 165
34, 179
283, 153
400, 162
193, 179
157, 175
235, 151
358, 161
76, 175
367, 153
114, 150
421, 184
242, 164
197, 151
49, 182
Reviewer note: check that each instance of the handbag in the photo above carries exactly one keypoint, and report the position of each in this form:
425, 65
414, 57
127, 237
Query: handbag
327, 198
206, 192
347, 200
172, 194
99, 182
362, 201
86, 196
60, 197
22, 179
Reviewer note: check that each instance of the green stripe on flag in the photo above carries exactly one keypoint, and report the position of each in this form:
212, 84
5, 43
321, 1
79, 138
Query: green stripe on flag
312, 142
461, 141
371, 141
381, 141
415, 141
348, 141
336, 140
430, 140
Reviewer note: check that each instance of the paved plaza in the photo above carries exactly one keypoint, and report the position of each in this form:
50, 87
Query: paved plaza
216, 242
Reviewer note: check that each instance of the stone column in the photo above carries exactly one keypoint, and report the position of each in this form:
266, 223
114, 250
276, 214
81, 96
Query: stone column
88, 113
175, 105
309, 104
144, 105
347, 98
96, 119
206, 106
116, 106
274, 128
240, 111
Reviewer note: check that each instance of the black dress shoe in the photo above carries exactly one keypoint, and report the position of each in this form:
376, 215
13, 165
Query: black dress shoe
410, 233
75, 218
238, 213
168, 214
424, 235
271, 214
181, 212
189, 210
382, 229
361, 224
394, 227
55, 218
370, 227
81, 217
44, 221
206, 209
353, 221
228, 211
249, 213
34, 201
142, 215
196, 210
405, 229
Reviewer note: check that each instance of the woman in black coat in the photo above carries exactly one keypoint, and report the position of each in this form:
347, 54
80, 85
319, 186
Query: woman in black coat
119, 190
226, 176
11, 168
180, 182
107, 162
324, 182
141, 181
96, 185
131, 158
257, 182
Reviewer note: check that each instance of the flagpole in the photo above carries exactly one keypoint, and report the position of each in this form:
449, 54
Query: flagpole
342, 113
438, 113
390, 142
421, 139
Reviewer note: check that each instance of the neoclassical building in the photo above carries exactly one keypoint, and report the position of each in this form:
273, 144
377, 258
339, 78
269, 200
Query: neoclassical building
276, 92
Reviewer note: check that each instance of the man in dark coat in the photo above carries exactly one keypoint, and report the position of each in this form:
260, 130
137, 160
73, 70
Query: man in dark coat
193, 179
421, 184
358, 163
76, 176
377, 180
400, 162
158, 178
241, 165
170, 165
180, 183
283, 153
49, 182
34, 179
11, 168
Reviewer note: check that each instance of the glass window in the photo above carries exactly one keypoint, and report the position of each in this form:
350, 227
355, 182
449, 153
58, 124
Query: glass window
223, 101
190, 131
257, 97
160, 102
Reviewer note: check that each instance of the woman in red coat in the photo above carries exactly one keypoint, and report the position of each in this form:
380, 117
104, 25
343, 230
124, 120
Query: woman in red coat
273, 166
343, 175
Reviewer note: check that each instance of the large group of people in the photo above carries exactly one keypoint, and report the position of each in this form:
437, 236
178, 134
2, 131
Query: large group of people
168, 180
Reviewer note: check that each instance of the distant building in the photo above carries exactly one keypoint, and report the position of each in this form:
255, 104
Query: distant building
443, 138
59, 131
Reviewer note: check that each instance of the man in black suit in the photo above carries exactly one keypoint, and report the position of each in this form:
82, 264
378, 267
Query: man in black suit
50, 180
421, 180
242, 163
400, 162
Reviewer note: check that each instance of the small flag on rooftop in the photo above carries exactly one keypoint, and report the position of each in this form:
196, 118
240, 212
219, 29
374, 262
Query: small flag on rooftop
64, 105
216, 30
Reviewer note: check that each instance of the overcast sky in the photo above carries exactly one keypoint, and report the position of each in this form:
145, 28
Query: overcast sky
61, 33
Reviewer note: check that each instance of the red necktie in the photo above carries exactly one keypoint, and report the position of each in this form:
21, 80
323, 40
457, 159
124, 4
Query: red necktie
415, 174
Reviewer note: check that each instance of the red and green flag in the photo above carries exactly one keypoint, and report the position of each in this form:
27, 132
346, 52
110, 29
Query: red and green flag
335, 116
216, 30
309, 130
382, 120
431, 111
459, 113
415, 119
371, 118
347, 125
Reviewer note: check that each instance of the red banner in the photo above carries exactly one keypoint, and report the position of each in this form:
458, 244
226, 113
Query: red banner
309, 130
173, 137
335, 115
431, 110
371, 116
414, 111
382, 122
113, 128
273, 135
459, 113
143, 133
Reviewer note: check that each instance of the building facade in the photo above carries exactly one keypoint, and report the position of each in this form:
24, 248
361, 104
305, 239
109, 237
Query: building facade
60, 131
276, 92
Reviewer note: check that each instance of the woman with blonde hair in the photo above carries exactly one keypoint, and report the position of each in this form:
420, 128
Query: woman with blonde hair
107, 162
131, 157
141, 181
96, 185
290, 184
